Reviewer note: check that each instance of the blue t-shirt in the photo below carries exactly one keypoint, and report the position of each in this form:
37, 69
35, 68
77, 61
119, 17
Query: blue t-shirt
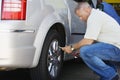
109, 9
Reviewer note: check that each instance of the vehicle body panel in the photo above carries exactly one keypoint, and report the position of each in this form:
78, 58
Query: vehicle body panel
22, 40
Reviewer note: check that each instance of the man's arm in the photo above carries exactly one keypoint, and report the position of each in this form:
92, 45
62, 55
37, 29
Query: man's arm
78, 45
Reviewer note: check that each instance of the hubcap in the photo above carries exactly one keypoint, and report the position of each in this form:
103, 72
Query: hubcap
54, 58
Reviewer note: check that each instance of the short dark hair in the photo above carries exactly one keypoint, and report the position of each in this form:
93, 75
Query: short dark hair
81, 0
78, 0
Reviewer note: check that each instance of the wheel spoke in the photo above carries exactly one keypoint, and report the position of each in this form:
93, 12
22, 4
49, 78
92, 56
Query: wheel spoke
50, 67
55, 46
53, 71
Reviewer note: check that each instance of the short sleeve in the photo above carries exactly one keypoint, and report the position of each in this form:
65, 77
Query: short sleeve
93, 28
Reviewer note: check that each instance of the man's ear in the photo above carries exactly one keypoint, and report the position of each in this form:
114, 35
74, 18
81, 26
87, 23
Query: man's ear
77, 11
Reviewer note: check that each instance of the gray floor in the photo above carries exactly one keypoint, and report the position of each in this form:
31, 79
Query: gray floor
77, 70
72, 70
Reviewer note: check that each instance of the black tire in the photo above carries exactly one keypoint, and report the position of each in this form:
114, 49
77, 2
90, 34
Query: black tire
51, 59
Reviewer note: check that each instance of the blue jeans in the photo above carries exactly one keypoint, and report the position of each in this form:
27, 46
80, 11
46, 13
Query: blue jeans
94, 56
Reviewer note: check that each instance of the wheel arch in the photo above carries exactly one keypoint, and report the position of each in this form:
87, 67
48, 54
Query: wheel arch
59, 27
61, 30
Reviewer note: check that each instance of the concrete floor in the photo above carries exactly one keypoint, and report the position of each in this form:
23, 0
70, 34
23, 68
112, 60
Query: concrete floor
72, 70
77, 70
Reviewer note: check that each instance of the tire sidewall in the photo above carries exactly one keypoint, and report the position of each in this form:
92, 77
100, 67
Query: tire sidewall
42, 67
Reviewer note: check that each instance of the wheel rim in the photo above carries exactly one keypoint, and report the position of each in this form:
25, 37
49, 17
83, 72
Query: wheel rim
54, 58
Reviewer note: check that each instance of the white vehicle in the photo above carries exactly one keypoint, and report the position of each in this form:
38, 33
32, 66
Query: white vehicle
32, 30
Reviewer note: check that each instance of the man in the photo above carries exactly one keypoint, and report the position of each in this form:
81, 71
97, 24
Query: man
101, 41
109, 9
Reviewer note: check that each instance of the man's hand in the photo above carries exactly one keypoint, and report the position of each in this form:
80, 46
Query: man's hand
78, 45
67, 49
